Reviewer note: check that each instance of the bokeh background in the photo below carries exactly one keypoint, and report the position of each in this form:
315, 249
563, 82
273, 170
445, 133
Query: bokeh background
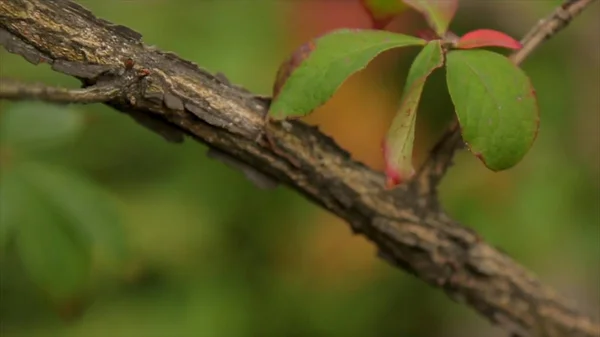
107, 230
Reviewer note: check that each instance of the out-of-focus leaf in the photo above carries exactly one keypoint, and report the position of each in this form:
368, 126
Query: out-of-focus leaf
487, 38
54, 255
81, 203
398, 144
38, 126
317, 69
496, 106
383, 11
438, 13
13, 203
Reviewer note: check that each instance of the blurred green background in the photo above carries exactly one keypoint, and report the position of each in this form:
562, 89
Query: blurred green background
108, 230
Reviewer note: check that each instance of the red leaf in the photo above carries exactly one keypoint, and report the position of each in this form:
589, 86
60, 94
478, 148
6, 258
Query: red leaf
487, 38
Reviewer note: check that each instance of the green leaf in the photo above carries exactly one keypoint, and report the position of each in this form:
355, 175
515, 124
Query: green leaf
496, 106
13, 203
38, 126
438, 13
317, 69
56, 258
58, 218
383, 11
83, 204
398, 144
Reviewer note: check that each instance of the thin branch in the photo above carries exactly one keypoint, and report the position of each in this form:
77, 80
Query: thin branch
441, 155
550, 26
16, 90
440, 159
185, 99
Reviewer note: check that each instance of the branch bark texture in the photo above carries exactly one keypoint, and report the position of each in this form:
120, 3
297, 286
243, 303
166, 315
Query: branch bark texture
175, 97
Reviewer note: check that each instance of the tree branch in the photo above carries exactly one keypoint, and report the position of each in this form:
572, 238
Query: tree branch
15, 90
180, 98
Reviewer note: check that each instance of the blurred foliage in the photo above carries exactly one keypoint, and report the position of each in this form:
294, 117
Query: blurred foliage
108, 230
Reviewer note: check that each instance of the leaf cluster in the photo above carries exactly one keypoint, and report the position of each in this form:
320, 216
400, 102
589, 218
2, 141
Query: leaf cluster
494, 99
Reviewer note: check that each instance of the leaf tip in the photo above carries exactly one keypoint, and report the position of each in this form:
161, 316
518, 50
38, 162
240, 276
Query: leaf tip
395, 179
479, 156
396, 174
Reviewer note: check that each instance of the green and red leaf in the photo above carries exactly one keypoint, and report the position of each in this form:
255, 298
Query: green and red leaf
487, 38
398, 144
438, 13
496, 106
287, 67
383, 11
316, 70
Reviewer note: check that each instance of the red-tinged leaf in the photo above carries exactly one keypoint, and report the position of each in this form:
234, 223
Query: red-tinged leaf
438, 13
383, 11
316, 70
495, 104
287, 67
398, 143
487, 38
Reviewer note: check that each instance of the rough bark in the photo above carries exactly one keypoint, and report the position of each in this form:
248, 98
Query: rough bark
176, 98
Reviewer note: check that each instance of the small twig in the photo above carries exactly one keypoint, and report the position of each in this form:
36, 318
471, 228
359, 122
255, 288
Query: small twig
441, 155
546, 28
438, 162
16, 90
